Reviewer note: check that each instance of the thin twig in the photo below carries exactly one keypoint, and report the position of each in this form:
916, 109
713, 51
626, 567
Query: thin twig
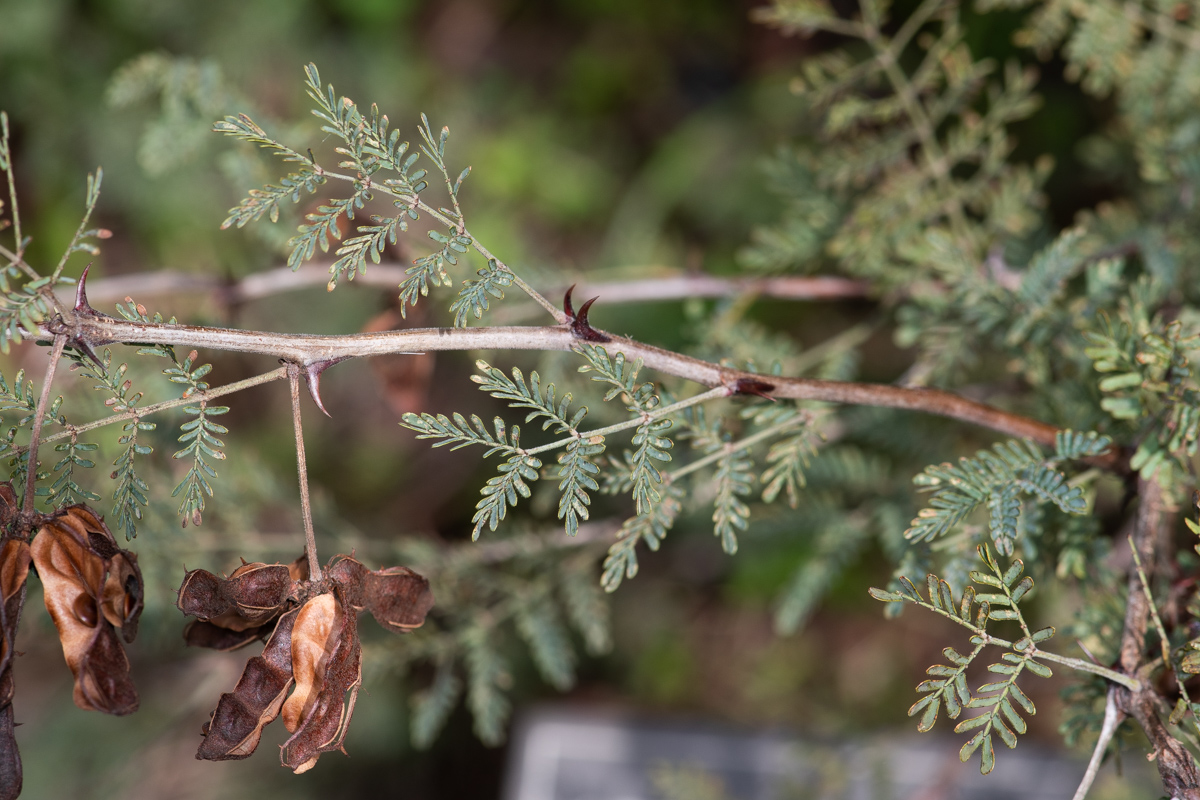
39, 417
638, 421
16, 257
207, 394
310, 536
12, 183
1112, 718
93, 195
740, 444
1162, 633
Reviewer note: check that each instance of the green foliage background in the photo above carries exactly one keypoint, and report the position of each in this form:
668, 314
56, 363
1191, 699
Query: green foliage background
612, 138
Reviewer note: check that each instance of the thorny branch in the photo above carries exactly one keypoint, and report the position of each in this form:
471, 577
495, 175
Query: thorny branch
315, 352
1176, 766
1132, 693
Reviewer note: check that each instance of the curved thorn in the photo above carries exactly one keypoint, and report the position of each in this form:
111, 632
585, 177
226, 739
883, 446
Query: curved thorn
568, 309
86, 349
583, 311
83, 307
581, 328
313, 382
81, 301
312, 379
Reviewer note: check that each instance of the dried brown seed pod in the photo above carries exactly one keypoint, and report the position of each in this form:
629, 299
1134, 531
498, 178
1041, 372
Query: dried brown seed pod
124, 596
326, 663
259, 591
398, 598
11, 776
200, 595
319, 652
350, 576
314, 638
252, 595
200, 633
234, 730
75, 555
14, 571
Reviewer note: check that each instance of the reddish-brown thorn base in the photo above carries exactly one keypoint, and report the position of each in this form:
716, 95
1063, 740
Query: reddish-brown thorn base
751, 386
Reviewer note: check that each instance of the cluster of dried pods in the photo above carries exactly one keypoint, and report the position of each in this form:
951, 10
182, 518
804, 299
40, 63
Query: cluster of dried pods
94, 592
312, 648
92, 589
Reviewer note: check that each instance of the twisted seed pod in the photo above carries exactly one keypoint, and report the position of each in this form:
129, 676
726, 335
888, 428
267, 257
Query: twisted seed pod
91, 588
253, 594
236, 726
398, 598
327, 663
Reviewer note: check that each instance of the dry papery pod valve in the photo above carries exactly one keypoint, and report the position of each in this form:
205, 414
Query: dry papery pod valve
93, 590
312, 651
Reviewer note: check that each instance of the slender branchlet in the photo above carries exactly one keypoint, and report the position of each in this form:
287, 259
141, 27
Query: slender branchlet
1163, 640
39, 417
1112, 718
310, 537
385, 275
14, 256
166, 405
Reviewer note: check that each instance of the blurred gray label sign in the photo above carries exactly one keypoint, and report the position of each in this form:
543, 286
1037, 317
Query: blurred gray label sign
578, 755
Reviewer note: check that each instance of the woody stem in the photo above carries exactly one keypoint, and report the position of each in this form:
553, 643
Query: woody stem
39, 417
308, 349
310, 537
